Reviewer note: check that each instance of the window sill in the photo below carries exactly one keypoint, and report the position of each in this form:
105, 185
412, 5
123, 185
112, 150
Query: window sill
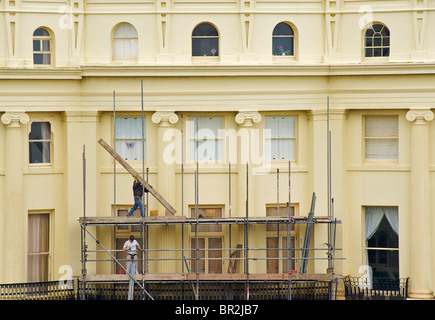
206, 59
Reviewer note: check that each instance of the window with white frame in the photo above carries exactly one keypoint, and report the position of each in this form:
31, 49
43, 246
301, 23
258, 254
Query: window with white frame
381, 137
42, 47
283, 40
125, 42
128, 138
40, 142
38, 247
280, 137
382, 241
377, 41
205, 41
205, 138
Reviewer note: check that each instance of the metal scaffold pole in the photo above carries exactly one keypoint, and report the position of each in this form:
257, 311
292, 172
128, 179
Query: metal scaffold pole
83, 244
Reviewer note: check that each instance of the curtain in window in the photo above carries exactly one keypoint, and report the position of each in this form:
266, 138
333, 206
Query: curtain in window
373, 218
128, 138
38, 247
206, 137
382, 137
280, 134
125, 41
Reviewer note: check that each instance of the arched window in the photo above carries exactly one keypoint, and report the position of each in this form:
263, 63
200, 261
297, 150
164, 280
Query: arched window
377, 41
205, 40
283, 40
125, 41
42, 47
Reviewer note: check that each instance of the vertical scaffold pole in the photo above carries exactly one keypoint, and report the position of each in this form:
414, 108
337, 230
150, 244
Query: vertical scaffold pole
84, 226
277, 214
289, 233
182, 192
114, 175
247, 233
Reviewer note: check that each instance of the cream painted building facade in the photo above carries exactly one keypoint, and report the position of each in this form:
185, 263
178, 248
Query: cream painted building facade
244, 68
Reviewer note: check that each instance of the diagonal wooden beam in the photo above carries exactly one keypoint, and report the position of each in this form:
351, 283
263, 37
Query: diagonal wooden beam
134, 173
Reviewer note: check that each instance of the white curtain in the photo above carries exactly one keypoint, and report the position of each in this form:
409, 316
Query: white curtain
46, 135
381, 137
128, 138
281, 138
209, 138
125, 41
373, 218
38, 247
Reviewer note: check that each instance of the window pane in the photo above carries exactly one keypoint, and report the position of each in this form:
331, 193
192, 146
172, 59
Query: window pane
39, 152
37, 247
205, 47
381, 126
38, 58
205, 29
45, 45
282, 29
41, 32
282, 46
125, 30
36, 45
205, 141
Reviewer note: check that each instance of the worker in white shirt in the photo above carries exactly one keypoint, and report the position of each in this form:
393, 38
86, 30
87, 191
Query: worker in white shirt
132, 246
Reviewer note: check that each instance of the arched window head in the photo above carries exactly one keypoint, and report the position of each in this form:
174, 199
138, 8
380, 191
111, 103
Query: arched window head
205, 41
377, 41
42, 47
283, 40
125, 41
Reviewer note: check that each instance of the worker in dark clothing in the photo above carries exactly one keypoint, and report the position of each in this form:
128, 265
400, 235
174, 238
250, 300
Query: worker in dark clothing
138, 190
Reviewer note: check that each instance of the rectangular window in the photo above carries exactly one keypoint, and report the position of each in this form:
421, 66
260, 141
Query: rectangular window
128, 138
38, 247
277, 254
274, 253
205, 138
382, 241
40, 142
381, 137
280, 134
209, 255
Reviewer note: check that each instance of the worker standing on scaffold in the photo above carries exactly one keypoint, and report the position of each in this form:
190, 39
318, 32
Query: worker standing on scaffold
132, 246
138, 189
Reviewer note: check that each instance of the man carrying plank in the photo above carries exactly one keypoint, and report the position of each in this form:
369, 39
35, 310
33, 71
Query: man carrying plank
138, 188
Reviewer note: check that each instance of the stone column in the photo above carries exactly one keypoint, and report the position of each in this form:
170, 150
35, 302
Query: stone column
14, 219
166, 135
420, 220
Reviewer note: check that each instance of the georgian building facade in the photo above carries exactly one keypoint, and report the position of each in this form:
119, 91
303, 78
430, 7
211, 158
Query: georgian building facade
221, 84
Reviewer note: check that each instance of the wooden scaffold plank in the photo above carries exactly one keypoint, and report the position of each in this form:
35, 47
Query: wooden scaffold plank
134, 173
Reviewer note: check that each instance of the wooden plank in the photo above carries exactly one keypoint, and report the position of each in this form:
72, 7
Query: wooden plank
130, 220
213, 277
133, 172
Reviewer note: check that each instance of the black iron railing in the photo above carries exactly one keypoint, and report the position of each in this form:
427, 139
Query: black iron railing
362, 288
208, 290
51, 290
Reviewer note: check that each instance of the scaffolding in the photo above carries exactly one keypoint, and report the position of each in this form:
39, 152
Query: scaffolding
244, 255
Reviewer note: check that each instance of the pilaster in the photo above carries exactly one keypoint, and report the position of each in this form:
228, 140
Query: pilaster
420, 232
14, 210
166, 180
